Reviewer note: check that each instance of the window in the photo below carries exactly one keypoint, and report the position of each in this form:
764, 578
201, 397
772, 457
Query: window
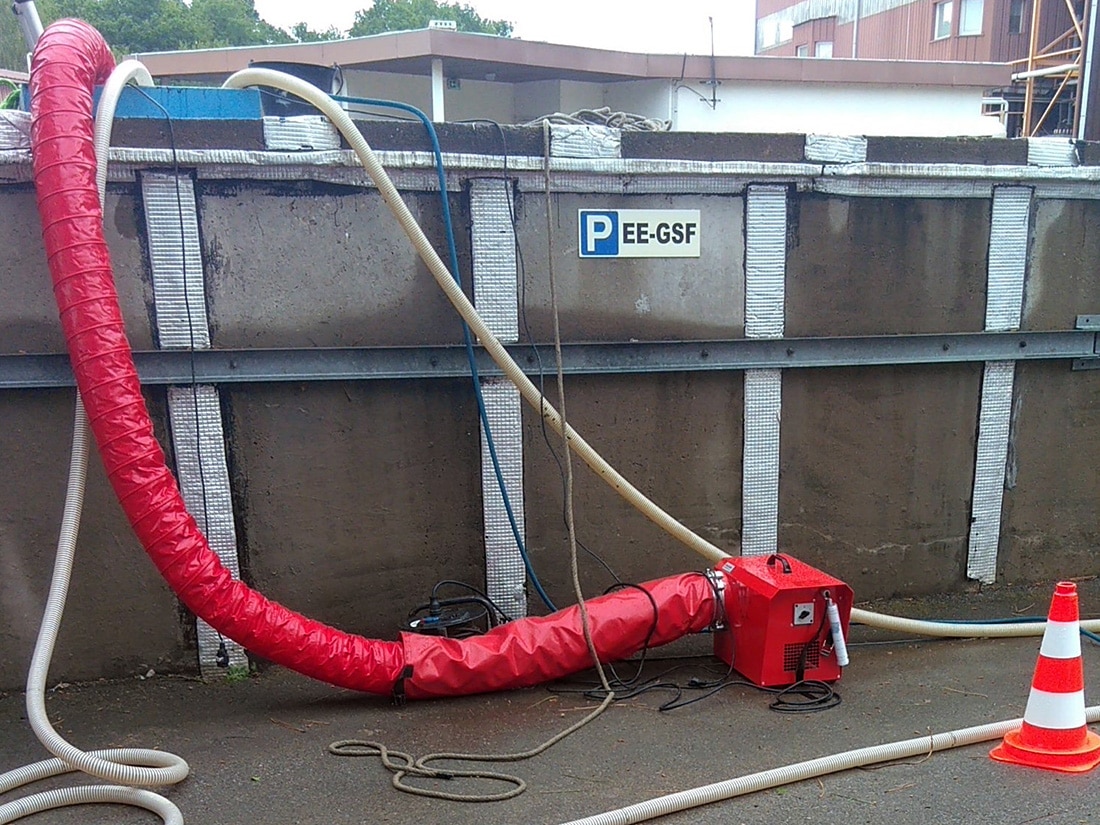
970, 16
941, 20
823, 48
802, 51
1016, 17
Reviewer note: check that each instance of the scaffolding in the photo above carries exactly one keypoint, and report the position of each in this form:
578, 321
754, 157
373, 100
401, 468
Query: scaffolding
1053, 71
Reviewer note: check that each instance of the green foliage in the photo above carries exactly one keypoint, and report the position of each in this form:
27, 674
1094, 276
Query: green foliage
237, 674
131, 26
304, 34
12, 100
13, 53
233, 23
138, 25
401, 15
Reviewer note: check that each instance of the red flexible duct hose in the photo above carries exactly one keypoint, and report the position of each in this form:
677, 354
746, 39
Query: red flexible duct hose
530, 651
70, 58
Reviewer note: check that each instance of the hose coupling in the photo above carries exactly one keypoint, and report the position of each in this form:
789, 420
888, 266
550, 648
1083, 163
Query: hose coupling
718, 581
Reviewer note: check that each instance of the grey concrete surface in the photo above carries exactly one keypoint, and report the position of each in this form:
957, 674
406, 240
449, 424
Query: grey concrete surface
28, 315
640, 299
313, 265
1049, 522
339, 488
658, 430
883, 266
121, 614
257, 748
382, 483
876, 468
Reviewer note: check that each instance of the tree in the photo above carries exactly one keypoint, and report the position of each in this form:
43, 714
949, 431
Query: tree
152, 25
233, 23
401, 15
304, 34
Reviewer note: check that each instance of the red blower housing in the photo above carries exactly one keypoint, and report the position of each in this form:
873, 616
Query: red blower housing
777, 629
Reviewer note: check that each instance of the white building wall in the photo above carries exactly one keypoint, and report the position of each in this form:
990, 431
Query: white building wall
480, 98
412, 89
743, 106
826, 108
649, 98
535, 98
472, 99
577, 95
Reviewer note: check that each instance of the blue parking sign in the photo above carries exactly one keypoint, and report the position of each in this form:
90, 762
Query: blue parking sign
599, 230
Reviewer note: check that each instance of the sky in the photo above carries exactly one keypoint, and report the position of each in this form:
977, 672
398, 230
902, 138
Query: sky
626, 25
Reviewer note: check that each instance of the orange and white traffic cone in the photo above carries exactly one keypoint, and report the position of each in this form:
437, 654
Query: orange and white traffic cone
1054, 734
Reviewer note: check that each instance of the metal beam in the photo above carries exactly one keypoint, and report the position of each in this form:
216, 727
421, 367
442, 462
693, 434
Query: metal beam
251, 366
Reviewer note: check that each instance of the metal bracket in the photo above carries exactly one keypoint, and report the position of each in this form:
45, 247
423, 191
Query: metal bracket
251, 366
1090, 323
718, 582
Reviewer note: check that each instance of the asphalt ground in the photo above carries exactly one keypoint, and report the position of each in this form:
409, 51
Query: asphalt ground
258, 746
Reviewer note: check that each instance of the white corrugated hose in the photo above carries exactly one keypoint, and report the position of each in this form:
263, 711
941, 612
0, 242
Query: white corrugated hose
127, 766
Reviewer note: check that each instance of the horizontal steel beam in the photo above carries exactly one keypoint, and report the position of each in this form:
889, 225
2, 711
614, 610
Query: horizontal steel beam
249, 366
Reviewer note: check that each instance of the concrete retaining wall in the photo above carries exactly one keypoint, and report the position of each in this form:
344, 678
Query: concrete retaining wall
351, 498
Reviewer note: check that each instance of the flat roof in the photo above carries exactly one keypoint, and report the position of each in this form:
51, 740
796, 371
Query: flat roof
511, 60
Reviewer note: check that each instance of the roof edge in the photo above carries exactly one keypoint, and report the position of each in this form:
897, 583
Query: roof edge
375, 50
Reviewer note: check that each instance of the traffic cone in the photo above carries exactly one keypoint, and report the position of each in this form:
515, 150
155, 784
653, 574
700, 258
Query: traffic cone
1054, 734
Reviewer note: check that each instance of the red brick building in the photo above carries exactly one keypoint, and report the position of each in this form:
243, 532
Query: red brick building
995, 31
983, 31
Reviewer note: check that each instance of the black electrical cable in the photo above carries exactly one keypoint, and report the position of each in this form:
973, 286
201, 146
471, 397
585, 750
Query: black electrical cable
350, 108
476, 591
629, 688
429, 616
803, 696
617, 681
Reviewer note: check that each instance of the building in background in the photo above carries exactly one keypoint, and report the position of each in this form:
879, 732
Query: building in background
459, 76
1045, 41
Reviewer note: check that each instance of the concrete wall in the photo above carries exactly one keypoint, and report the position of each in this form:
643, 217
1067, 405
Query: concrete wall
642, 299
121, 618
352, 498
1050, 525
877, 463
270, 287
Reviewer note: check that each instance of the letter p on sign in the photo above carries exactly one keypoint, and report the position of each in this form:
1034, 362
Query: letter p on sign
599, 234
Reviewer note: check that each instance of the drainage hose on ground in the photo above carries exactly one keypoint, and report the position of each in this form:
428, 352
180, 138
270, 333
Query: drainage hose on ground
957, 630
720, 791
128, 766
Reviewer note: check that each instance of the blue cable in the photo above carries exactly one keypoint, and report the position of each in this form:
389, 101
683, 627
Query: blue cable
1092, 637
453, 253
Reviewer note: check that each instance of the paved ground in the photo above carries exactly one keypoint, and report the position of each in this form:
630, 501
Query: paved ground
258, 747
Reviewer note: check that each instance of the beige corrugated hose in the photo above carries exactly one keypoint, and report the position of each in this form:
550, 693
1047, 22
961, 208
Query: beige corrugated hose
721, 790
443, 277
532, 394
